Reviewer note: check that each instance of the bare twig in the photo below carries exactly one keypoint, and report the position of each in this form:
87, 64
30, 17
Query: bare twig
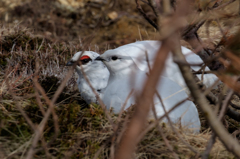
162, 134
140, 115
235, 133
231, 144
145, 16
211, 87
209, 146
39, 88
118, 124
39, 102
186, 63
38, 132
151, 126
155, 115
174, 130
225, 104
223, 5
212, 140
122, 109
230, 112
98, 98
29, 121
150, 3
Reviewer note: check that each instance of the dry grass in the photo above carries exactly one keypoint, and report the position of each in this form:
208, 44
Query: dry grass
84, 130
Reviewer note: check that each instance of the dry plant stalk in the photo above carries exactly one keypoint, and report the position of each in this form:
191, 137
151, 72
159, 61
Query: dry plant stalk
134, 131
127, 145
129, 140
39, 129
230, 143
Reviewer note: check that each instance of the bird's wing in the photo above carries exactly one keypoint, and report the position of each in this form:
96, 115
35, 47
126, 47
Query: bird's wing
171, 94
192, 58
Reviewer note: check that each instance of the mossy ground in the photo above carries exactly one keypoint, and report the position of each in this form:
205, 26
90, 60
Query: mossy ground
83, 129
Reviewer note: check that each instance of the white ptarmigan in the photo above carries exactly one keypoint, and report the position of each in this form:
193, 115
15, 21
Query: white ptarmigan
96, 72
128, 72
137, 52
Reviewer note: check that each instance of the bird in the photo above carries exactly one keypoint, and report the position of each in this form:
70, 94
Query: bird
144, 52
128, 73
95, 71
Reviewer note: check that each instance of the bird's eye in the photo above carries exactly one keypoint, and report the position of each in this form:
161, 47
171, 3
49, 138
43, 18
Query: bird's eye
85, 59
114, 58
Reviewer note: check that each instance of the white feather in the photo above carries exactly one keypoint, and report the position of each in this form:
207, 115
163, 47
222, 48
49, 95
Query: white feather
125, 75
96, 72
137, 51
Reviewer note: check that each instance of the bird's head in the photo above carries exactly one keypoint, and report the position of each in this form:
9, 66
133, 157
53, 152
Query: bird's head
86, 59
116, 61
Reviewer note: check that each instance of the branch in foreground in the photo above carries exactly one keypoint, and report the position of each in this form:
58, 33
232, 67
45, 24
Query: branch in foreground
160, 130
39, 130
209, 146
129, 141
231, 144
145, 16
229, 112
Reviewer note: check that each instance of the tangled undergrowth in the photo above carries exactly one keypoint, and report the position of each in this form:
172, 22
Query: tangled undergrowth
51, 37
84, 130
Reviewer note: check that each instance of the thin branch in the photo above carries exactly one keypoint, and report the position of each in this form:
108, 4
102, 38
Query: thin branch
97, 96
190, 31
122, 110
39, 131
155, 115
151, 126
29, 121
223, 5
162, 134
39, 88
207, 91
230, 112
129, 141
225, 104
209, 146
230, 143
145, 16
186, 63
150, 3
174, 130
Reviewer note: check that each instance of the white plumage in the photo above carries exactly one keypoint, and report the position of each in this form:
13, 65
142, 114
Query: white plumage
95, 71
128, 72
137, 52
172, 71
128, 65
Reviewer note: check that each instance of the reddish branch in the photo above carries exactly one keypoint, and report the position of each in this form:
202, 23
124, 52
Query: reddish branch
230, 143
129, 141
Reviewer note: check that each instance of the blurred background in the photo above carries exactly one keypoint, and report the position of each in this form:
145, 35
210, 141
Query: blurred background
107, 22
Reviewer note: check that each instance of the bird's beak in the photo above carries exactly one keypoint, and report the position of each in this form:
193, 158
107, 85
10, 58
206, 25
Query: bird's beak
99, 59
70, 63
